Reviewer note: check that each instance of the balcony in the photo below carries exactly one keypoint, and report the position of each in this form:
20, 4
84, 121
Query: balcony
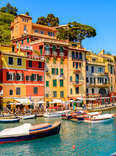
77, 83
47, 53
61, 54
103, 85
54, 53
77, 70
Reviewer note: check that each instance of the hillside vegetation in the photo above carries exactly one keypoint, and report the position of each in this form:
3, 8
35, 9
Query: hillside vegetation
5, 22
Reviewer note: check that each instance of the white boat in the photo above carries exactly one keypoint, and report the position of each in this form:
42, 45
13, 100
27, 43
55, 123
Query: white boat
56, 114
99, 118
26, 117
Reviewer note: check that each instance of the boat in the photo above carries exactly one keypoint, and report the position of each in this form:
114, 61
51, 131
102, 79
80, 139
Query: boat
26, 117
8, 120
98, 118
56, 113
27, 132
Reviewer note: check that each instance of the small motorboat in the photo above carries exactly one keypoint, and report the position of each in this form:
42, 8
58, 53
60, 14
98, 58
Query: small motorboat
9, 120
29, 132
26, 117
56, 113
99, 118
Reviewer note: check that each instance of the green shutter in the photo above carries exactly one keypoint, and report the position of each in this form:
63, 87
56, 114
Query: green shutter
54, 83
61, 71
41, 51
56, 71
27, 40
61, 83
22, 41
47, 83
53, 71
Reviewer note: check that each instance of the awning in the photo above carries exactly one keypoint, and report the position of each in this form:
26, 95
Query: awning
23, 101
56, 101
40, 102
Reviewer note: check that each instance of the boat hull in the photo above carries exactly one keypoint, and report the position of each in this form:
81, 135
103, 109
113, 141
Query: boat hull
33, 135
55, 114
98, 121
9, 120
27, 117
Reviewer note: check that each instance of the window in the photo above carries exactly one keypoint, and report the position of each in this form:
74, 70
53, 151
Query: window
76, 55
87, 68
27, 40
91, 80
18, 91
61, 49
10, 60
35, 90
61, 71
18, 76
56, 71
61, 94
10, 76
73, 64
61, 61
25, 28
77, 90
87, 79
61, 83
80, 56
22, 42
47, 83
39, 65
87, 90
30, 63
54, 60
54, 83
100, 70
70, 78
10, 92
54, 48
76, 65
19, 61
92, 90
71, 91
41, 32
33, 77
54, 94
53, 71
36, 31
27, 78
73, 55
92, 69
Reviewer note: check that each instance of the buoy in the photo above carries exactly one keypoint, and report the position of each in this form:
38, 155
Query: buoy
73, 147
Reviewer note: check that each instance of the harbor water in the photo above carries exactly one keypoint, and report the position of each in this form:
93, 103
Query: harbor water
75, 139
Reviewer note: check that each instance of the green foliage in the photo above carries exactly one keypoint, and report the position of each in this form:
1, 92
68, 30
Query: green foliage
27, 13
42, 20
5, 22
50, 20
76, 32
9, 9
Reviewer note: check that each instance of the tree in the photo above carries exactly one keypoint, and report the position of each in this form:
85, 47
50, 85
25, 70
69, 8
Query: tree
42, 21
76, 32
50, 20
9, 9
27, 13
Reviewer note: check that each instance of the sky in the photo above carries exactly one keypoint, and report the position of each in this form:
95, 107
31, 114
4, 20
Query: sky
100, 14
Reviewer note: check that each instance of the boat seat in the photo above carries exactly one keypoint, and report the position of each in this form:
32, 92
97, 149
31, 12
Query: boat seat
39, 126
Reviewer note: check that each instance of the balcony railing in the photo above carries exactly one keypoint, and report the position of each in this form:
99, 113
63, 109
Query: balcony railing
77, 83
47, 52
77, 70
61, 54
54, 53
104, 85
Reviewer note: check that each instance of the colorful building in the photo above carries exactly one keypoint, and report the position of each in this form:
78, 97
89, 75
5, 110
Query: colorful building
76, 73
21, 78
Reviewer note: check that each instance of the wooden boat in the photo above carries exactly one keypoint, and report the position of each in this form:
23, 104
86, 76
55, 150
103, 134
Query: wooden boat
8, 120
56, 113
29, 132
99, 118
26, 117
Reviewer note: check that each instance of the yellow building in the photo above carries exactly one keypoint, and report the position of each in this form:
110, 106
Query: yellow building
76, 73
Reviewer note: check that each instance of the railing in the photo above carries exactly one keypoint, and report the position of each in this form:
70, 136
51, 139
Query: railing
54, 53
